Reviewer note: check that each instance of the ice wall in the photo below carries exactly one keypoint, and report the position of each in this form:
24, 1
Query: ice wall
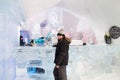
98, 14
7, 43
2, 47
11, 16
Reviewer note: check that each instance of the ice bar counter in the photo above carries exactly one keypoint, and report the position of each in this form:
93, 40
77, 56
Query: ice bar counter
85, 62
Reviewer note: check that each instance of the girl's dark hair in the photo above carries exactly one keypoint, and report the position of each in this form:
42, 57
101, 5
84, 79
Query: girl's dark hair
21, 36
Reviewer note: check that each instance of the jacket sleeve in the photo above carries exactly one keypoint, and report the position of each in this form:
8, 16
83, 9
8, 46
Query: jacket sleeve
63, 52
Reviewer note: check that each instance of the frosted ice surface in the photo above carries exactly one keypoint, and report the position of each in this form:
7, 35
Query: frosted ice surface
85, 63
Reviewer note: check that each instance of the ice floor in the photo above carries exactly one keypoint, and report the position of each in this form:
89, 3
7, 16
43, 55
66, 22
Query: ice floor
85, 63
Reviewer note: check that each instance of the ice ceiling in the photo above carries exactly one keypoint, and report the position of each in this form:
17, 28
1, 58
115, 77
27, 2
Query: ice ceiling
98, 14
101, 11
104, 11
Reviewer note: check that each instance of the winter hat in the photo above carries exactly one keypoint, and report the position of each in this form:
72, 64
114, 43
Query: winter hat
61, 33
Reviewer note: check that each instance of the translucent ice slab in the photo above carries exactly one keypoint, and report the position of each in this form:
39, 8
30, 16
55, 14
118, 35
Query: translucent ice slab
85, 62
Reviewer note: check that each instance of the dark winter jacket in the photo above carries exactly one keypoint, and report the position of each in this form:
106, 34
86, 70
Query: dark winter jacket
61, 54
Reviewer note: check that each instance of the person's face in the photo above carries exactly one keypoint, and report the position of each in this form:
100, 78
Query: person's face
60, 37
21, 38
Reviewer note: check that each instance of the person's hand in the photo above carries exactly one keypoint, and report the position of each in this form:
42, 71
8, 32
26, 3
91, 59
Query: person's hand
57, 66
